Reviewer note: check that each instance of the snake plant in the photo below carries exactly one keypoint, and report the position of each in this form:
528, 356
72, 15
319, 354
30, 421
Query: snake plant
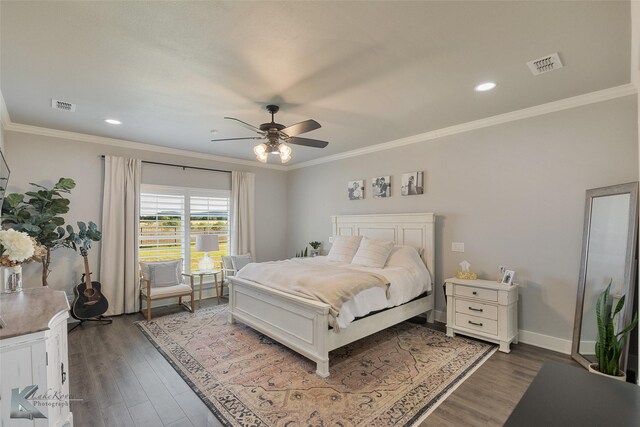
610, 344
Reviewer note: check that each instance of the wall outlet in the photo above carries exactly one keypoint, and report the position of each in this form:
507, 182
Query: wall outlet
457, 247
330, 239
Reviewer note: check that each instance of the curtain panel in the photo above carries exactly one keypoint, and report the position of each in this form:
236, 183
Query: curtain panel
120, 223
242, 213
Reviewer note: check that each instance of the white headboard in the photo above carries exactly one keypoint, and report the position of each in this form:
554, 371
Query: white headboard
416, 229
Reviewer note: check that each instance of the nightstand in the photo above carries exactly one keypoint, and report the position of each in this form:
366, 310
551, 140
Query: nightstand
483, 309
214, 273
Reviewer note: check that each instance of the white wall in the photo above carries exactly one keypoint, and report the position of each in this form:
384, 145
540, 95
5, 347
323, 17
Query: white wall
513, 193
44, 160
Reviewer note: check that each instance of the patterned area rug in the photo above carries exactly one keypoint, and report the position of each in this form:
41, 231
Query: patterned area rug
392, 378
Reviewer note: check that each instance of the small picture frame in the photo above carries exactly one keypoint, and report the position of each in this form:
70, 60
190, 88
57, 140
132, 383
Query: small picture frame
412, 184
355, 190
381, 186
507, 278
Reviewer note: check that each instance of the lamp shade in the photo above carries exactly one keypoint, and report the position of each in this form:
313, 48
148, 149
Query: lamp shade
207, 243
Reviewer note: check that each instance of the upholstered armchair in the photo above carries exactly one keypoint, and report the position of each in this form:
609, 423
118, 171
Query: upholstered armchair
165, 279
233, 263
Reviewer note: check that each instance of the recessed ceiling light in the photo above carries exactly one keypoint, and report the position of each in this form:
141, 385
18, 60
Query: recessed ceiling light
214, 131
113, 121
483, 87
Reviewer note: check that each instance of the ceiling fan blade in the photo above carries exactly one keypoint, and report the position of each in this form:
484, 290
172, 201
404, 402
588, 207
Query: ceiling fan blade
237, 139
315, 143
300, 128
247, 125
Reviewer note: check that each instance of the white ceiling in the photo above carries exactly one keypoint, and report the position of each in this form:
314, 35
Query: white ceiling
369, 72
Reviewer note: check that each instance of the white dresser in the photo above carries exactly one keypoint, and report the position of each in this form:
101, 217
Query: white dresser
33, 352
483, 309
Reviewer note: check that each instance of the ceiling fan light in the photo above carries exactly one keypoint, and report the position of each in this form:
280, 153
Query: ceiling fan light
260, 150
262, 157
285, 158
285, 150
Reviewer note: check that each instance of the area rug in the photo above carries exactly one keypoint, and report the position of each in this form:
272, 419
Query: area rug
392, 378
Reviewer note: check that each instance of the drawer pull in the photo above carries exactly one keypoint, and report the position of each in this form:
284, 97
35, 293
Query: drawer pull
474, 323
479, 310
475, 293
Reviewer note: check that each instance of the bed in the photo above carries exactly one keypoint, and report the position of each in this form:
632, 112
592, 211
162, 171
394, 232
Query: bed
303, 324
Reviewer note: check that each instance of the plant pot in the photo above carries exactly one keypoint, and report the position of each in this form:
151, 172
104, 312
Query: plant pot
593, 368
315, 252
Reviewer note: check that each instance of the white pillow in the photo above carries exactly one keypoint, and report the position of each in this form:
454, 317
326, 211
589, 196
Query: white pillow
344, 248
239, 261
162, 274
373, 253
404, 256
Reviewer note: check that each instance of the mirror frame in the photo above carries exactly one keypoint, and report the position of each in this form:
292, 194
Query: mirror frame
629, 267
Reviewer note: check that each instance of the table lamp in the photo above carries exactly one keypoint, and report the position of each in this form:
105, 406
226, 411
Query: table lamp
206, 243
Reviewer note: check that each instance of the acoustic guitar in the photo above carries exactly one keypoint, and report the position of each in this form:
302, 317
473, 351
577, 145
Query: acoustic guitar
89, 301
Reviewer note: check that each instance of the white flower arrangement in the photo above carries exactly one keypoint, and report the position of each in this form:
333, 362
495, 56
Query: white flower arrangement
17, 247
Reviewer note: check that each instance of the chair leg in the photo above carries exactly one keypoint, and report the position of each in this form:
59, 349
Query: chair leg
148, 308
179, 300
193, 299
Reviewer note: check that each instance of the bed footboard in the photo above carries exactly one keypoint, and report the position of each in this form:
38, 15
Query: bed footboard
298, 323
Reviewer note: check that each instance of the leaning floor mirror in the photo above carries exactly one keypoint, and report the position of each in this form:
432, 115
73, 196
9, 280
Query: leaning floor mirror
608, 256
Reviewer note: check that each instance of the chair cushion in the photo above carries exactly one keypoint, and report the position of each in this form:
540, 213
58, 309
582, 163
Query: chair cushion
162, 273
239, 261
167, 291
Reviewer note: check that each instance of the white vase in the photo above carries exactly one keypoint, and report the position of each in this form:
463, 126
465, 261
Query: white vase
11, 279
593, 368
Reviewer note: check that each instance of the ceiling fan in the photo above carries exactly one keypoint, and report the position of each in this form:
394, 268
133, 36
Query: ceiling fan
277, 136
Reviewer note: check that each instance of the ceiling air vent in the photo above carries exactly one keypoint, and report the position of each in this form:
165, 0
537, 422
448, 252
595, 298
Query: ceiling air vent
62, 105
545, 64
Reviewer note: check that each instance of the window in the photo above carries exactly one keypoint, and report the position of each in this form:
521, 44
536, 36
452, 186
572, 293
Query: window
172, 216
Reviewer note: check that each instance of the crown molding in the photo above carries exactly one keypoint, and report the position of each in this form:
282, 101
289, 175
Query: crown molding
538, 110
82, 137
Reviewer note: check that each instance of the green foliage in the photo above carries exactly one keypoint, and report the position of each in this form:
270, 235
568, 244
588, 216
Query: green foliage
84, 237
39, 214
315, 245
302, 253
610, 344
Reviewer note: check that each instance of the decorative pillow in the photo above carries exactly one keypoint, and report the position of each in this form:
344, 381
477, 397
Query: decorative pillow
403, 256
373, 253
344, 248
239, 261
163, 273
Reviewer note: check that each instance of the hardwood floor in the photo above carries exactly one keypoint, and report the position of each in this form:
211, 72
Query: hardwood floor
124, 381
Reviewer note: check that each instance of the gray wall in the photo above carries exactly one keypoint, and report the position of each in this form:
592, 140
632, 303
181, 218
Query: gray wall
43, 160
513, 193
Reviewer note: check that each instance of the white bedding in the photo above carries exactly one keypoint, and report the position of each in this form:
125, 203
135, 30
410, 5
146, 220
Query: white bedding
406, 273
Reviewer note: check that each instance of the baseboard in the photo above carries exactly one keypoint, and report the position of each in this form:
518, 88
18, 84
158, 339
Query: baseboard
532, 338
208, 291
545, 341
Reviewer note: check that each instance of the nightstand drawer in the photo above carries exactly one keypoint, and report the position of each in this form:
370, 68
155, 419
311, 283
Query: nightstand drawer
477, 323
479, 293
474, 308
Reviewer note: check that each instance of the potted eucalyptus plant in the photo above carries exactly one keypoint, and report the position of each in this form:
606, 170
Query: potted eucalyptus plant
610, 344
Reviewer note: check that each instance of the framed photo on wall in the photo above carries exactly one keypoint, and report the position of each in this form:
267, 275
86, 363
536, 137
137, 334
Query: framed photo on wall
412, 183
381, 186
355, 190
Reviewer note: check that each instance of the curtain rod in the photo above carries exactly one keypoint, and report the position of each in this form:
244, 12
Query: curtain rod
181, 166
